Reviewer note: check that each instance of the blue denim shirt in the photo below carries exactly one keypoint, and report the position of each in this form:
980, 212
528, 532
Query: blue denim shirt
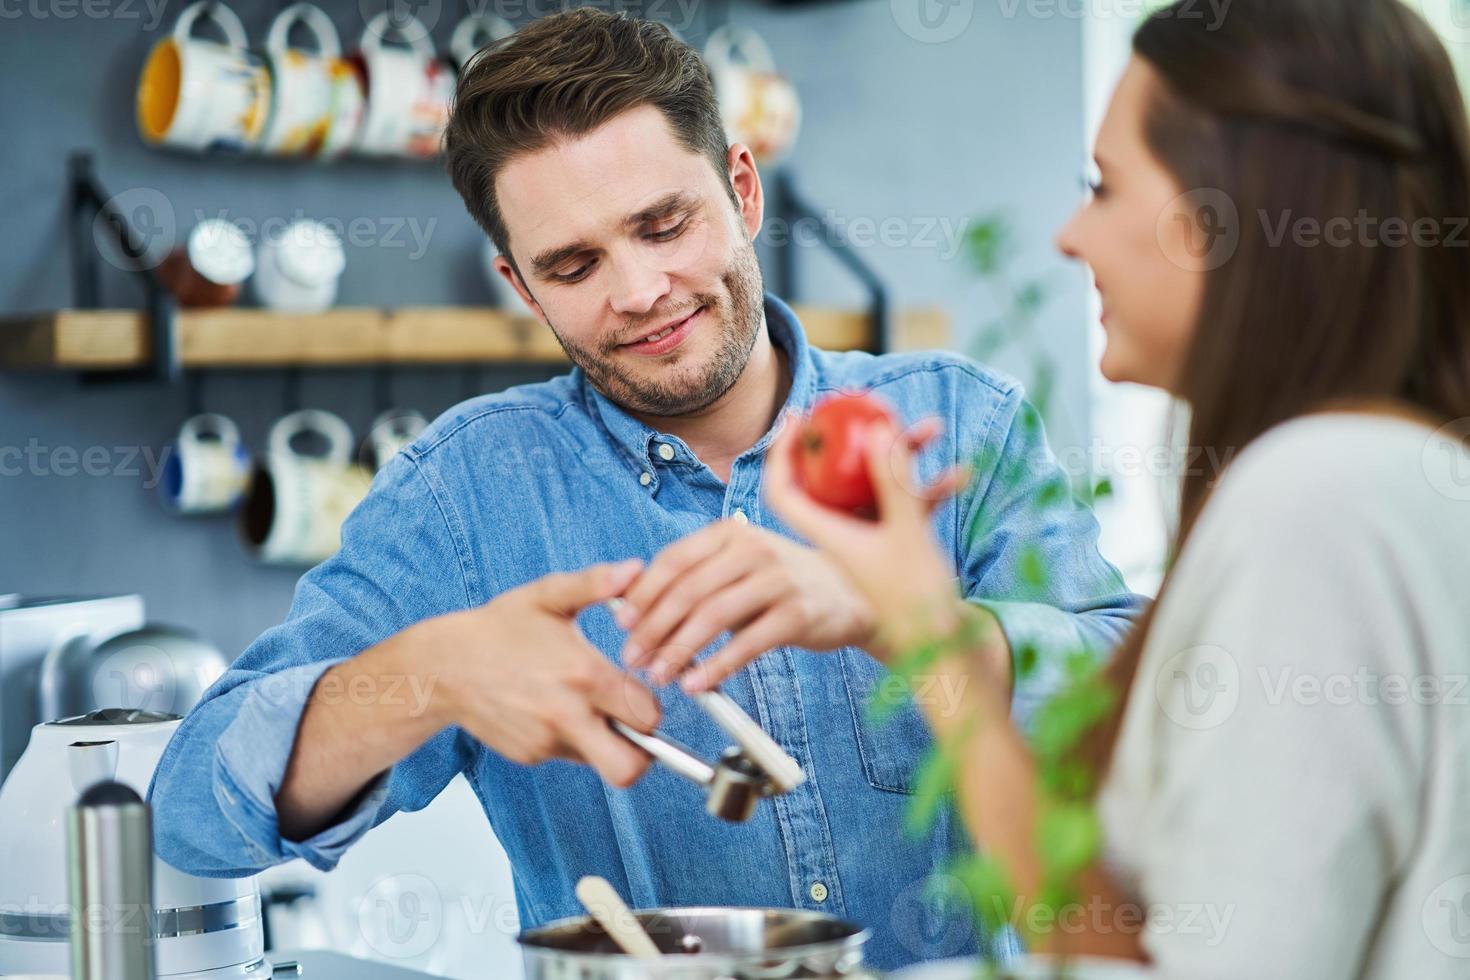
548, 477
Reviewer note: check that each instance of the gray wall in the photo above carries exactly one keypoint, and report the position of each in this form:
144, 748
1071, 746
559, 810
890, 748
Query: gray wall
895, 128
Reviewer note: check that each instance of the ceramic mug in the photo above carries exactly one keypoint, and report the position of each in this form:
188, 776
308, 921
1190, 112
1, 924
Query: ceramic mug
296, 503
408, 90
209, 270
298, 268
196, 94
473, 33
391, 431
207, 468
758, 106
316, 104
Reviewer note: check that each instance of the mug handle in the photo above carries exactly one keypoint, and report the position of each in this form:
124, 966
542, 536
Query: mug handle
373, 35
462, 43
219, 13
338, 435
315, 20
400, 423
229, 434
726, 42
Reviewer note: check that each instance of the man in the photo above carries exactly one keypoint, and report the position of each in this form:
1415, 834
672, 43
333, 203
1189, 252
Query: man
463, 626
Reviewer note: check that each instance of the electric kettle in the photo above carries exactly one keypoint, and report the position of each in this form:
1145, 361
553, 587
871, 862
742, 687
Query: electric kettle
203, 927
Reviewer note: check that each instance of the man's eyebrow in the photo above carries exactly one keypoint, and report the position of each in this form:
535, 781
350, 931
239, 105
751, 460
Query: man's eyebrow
662, 208
658, 210
550, 259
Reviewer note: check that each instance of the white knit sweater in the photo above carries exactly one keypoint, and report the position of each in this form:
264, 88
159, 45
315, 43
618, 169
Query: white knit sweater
1290, 795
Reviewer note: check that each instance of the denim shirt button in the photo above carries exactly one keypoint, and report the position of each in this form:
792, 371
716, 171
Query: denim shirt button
818, 892
645, 478
665, 451
739, 516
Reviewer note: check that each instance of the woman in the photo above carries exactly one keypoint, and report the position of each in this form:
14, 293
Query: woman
1284, 788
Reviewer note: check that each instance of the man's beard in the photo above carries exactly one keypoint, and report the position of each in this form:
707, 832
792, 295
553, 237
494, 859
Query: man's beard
686, 389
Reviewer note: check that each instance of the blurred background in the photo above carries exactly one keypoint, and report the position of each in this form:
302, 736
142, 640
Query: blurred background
920, 154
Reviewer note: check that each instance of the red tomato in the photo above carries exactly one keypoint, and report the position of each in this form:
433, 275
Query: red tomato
830, 452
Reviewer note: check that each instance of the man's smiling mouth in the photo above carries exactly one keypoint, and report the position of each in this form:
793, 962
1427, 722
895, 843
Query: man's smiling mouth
660, 334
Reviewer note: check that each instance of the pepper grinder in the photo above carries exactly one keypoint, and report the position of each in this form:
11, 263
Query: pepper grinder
110, 879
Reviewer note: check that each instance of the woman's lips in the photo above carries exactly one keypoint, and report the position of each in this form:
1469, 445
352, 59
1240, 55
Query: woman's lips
670, 340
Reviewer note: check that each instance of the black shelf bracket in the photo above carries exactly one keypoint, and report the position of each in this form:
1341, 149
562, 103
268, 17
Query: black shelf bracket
791, 207
90, 208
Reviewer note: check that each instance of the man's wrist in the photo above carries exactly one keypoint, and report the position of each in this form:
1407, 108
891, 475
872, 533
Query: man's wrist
416, 660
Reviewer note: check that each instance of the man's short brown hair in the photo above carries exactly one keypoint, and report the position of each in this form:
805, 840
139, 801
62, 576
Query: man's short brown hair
563, 76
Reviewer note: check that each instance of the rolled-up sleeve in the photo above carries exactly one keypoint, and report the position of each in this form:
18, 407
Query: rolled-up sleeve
250, 762
1029, 554
214, 789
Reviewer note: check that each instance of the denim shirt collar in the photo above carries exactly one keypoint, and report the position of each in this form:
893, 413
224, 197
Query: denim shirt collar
638, 440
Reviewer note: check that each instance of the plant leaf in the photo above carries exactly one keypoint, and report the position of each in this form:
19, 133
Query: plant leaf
1070, 838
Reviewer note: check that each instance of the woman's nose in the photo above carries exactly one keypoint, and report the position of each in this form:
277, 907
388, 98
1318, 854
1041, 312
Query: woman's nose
1068, 241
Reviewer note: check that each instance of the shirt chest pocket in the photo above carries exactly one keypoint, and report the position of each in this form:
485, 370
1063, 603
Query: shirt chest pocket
892, 736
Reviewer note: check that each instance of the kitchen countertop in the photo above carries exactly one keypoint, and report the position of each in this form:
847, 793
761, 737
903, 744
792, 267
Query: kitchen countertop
321, 964
318, 964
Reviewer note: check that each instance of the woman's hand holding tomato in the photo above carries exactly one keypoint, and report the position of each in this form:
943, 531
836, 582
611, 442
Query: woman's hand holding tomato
892, 558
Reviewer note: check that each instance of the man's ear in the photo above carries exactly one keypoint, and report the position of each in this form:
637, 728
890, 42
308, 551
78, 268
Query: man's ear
512, 276
745, 181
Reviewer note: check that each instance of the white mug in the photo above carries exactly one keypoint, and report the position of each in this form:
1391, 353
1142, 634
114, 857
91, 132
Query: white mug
298, 268
408, 91
391, 431
294, 510
316, 103
758, 106
473, 33
208, 468
202, 95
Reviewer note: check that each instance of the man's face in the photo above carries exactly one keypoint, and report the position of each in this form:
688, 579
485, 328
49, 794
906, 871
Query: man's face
624, 233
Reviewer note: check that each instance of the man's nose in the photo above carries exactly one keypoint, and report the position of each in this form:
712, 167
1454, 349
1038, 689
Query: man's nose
636, 286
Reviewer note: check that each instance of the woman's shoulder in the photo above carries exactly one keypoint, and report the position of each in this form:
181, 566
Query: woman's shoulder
1349, 466
1336, 512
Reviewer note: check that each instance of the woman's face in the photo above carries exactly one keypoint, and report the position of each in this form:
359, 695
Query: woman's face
1139, 234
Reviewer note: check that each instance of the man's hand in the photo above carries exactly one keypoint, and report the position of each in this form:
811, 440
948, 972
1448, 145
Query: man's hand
767, 590
518, 674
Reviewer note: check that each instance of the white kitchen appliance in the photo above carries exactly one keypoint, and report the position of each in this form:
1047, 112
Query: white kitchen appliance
204, 927
30, 626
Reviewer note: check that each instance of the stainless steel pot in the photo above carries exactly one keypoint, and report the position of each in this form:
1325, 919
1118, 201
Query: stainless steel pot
702, 944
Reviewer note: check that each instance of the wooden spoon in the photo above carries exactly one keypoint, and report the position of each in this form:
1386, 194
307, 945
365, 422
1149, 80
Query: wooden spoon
603, 903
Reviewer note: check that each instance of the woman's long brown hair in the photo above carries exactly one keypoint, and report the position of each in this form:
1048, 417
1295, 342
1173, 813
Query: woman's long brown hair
1320, 110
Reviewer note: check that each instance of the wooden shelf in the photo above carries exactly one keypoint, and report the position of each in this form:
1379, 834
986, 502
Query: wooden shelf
103, 340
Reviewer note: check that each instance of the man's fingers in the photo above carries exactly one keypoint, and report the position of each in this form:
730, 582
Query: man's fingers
618, 694
666, 569
617, 760
567, 593
742, 602
762, 635
655, 623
